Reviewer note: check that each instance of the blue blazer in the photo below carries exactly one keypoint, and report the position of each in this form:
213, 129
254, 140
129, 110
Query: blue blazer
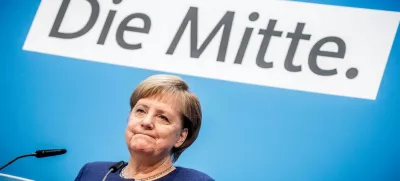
95, 171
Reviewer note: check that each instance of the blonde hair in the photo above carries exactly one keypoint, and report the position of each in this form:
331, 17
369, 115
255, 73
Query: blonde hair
190, 108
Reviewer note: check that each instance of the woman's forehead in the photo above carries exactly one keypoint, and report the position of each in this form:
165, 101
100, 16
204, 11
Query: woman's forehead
168, 99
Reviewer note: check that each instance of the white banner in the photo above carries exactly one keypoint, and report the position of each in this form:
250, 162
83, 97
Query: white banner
300, 46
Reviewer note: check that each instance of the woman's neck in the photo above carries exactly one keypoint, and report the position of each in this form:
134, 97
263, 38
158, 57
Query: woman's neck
139, 168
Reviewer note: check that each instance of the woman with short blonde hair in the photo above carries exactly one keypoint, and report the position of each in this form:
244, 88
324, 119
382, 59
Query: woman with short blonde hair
164, 120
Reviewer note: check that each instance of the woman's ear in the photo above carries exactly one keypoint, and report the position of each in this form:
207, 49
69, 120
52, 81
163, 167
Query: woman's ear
182, 138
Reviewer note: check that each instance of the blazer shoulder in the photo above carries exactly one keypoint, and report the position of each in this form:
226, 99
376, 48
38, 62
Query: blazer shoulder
100, 164
94, 170
189, 173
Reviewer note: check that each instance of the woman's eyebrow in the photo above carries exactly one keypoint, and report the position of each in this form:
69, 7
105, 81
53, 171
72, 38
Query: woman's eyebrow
161, 111
142, 105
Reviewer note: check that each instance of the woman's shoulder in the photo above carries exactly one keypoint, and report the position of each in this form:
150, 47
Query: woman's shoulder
98, 165
183, 173
94, 170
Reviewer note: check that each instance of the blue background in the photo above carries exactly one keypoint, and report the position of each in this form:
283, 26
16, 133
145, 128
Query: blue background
249, 132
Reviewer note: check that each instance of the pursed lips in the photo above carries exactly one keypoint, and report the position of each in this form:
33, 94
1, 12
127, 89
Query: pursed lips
143, 134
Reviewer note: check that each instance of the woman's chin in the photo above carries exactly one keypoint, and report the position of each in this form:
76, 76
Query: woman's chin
140, 148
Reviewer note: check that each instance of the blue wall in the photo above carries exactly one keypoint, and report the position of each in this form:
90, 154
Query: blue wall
251, 133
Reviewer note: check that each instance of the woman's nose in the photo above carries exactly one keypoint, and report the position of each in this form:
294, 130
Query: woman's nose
147, 122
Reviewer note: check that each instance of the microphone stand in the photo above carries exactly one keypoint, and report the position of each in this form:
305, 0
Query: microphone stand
105, 177
38, 154
114, 168
4, 166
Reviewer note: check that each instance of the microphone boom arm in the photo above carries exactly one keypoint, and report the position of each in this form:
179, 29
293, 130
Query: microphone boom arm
38, 154
4, 166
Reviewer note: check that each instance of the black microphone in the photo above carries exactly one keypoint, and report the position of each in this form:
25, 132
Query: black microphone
46, 153
114, 168
38, 154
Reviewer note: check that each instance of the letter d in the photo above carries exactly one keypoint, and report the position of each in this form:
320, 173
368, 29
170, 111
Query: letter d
55, 30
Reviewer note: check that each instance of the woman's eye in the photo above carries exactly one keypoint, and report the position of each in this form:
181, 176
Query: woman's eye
140, 110
164, 118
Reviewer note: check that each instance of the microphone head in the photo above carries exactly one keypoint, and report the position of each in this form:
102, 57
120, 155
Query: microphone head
117, 166
52, 152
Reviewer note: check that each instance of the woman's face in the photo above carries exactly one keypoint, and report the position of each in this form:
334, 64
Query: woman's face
155, 126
